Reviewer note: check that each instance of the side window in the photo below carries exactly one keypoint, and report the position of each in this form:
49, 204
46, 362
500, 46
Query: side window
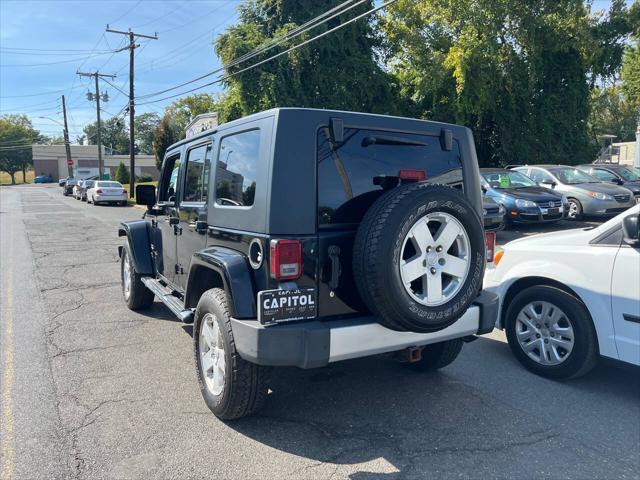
167, 189
197, 174
603, 175
540, 176
236, 169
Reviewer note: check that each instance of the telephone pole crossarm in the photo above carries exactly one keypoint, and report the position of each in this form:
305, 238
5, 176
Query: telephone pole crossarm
97, 75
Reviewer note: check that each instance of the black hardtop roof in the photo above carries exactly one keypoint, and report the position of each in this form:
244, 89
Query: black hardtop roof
322, 114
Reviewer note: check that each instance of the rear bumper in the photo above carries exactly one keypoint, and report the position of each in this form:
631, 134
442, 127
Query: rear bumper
110, 198
318, 343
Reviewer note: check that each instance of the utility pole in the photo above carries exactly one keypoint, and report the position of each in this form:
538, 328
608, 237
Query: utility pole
132, 110
66, 138
96, 97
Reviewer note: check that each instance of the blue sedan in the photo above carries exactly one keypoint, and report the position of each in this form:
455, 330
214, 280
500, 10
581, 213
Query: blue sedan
523, 199
43, 179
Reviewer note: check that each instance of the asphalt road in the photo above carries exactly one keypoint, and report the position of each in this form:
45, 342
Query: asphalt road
93, 390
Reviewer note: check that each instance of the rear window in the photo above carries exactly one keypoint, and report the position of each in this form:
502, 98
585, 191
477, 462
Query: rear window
109, 185
236, 169
347, 171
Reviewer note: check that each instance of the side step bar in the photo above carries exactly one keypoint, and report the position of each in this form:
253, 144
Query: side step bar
169, 299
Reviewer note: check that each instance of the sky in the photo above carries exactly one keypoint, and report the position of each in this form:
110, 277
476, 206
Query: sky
44, 42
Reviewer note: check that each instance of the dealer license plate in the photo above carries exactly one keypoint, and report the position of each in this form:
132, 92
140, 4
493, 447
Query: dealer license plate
277, 306
550, 211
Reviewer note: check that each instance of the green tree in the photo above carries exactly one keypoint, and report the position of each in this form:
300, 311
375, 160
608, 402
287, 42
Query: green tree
165, 134
114, 135
177, 116
122, 174
631, 76
340, 71
518, 73
146, 125
612, 114
16, 137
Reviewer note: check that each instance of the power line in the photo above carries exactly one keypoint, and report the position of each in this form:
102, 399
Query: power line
295, 47
55, 63
305, 27
33, 94
127, 12
180, 4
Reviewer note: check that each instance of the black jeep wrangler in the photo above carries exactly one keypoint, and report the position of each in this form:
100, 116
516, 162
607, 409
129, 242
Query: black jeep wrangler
299, 237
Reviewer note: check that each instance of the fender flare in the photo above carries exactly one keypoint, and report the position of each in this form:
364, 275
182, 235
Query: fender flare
137, 233
234, 271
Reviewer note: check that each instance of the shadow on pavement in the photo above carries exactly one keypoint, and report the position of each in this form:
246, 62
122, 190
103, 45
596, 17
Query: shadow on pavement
432, 424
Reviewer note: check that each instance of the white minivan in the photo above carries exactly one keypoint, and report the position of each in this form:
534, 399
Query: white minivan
568, 297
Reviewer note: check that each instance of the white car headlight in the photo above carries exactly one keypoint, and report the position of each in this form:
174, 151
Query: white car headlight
565, 200
502, 210
600, 195
520, 203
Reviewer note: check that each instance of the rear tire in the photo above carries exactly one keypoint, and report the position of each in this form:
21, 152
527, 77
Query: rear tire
566, 348
231, 387
438, 355
136, 295
419, 257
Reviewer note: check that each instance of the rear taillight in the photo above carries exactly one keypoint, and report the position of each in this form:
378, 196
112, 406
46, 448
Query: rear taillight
98, 191
124, 191
286, 259
490, 240
412, 175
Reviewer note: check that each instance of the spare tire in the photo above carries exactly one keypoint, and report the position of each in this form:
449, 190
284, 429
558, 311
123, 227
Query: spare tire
419, 257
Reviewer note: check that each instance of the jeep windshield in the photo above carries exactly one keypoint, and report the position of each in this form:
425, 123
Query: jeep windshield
353, 173
572, 176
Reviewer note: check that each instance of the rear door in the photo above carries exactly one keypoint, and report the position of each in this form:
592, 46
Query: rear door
192, 210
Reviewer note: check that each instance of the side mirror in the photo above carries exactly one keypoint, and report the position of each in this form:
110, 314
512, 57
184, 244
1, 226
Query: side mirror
618, 181
484, 188
631, 230
146, 195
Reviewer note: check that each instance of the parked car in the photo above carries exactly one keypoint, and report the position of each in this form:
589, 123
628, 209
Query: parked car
107, 191
586, 194
493, 214
43, 179
62, 181
320, 251
569, 297
523, 199
87, 184
618, 174
77, 189
69, 184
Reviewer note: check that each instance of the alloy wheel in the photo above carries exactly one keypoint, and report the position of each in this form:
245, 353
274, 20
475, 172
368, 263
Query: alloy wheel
212, 355
435, 259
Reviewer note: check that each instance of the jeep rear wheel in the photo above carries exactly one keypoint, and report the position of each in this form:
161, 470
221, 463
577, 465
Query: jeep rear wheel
231, 387
419, 257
